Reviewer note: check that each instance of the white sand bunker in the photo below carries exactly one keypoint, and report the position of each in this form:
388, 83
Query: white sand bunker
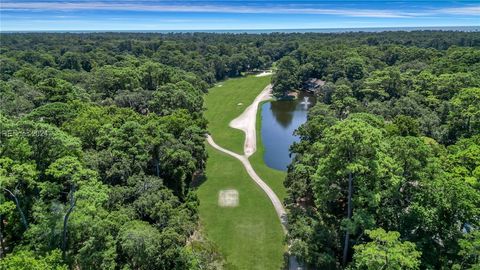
264, 73
228, 198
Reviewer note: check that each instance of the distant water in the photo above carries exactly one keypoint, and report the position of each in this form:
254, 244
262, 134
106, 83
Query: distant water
267, 31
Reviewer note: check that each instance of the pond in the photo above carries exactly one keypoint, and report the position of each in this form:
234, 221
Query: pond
279, 120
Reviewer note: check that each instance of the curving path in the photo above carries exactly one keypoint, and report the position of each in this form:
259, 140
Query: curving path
247, 123
277, 204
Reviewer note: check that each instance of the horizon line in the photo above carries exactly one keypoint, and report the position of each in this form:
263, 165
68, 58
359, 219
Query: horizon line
438, 28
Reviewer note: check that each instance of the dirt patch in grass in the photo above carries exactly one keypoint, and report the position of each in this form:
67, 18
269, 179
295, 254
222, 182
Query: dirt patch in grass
228, 198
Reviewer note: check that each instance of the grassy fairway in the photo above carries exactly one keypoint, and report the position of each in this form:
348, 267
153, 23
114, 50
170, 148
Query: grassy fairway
222, 107
250, 235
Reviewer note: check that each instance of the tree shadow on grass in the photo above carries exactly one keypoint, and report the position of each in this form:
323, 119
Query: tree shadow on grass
198, 180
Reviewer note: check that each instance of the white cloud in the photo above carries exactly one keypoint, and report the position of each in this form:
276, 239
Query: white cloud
243, 9
470, 10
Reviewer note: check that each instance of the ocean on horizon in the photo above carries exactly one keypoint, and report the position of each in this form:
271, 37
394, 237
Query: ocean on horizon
267, 31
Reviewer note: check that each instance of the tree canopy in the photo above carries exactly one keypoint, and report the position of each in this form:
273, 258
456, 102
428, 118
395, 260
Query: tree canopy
102, 136
387, 167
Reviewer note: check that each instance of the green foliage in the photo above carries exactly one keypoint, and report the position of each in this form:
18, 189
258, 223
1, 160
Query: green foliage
171, 97
205, 255
286, 78
465, 159
400, 183
108, 80
342, 100
470, 251
27, 260
112, 124
465, 113
55, 113
383, 84
18, 97
73, 173
139, 242
58, 90
406, 125
400, 119
70, 60
385, 251
354, 68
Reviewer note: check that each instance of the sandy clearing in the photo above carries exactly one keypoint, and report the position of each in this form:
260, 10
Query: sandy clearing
265, 73
228, 198
247, 121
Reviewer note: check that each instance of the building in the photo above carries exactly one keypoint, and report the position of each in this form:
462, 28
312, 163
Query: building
313, 84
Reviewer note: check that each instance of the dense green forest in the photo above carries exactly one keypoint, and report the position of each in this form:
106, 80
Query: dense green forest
386, 175
102, 138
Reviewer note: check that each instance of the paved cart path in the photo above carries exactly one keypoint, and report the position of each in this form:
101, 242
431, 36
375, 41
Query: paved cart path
277, 204
247, 123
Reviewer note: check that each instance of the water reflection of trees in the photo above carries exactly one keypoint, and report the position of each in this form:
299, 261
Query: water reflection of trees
283, 112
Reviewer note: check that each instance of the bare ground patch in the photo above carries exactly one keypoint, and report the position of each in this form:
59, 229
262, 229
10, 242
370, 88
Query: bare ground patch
228, 198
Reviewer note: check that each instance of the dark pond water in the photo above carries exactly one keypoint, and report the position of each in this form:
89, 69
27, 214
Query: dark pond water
279, 120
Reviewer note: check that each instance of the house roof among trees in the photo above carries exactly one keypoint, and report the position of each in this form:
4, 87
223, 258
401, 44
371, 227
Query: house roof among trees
313, 83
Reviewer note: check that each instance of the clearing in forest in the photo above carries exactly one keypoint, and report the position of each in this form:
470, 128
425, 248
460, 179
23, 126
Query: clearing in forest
249, 235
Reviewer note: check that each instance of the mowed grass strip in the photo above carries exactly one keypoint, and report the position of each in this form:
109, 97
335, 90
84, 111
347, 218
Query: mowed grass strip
248, 235
222, 104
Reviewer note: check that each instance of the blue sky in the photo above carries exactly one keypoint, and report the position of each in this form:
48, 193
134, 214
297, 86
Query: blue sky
27, 15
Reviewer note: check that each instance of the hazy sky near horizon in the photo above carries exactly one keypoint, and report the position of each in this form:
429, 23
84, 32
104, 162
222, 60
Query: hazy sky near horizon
27, 15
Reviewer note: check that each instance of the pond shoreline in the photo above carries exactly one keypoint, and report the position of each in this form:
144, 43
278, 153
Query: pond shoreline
280, 118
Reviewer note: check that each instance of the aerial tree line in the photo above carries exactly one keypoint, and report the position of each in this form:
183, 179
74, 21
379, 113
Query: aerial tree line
102, 140
386, 175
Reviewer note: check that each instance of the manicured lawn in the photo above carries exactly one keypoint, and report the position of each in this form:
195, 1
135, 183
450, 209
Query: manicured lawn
250, 235
222, 107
